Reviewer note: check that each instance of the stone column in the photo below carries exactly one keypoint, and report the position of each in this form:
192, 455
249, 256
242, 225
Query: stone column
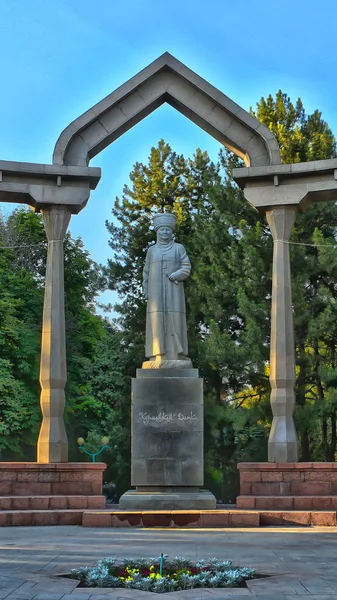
52, 446
282, 445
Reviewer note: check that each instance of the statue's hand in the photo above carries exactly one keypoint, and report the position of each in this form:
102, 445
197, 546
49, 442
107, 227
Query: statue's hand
172, 277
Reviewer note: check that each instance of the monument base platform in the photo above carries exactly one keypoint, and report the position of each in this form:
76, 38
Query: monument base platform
167, 500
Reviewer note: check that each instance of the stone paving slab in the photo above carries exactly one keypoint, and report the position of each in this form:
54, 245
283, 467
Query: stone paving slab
301, 562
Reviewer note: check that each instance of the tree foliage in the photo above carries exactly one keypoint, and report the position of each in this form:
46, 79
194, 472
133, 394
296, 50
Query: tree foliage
301, 137
22, 270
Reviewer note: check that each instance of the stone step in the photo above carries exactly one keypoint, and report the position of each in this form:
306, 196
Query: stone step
10, 518
287, 502
173, 518
207, 518
168, 519
59, 502
293, 518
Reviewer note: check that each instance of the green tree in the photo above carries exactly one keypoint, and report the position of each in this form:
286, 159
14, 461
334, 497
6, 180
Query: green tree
22, 270
110, 383
301, 137
20, 332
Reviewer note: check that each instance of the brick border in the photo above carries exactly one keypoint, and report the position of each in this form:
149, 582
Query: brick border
288, 486
50, 479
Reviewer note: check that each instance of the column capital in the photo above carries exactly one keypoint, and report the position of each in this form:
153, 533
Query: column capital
56, 220
281, 220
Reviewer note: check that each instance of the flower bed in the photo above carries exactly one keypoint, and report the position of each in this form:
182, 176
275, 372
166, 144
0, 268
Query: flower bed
162, 574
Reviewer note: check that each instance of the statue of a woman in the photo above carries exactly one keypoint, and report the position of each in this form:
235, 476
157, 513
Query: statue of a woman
166, 267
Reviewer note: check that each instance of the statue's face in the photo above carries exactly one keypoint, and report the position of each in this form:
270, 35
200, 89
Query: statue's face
164, 234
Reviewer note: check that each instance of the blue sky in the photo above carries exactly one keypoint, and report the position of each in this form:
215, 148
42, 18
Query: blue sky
59, 57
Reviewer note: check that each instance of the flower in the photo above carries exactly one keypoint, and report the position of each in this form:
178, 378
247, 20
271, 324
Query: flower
155, 576
177, 574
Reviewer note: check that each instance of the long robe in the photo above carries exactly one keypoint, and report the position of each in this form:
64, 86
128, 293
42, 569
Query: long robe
166, 331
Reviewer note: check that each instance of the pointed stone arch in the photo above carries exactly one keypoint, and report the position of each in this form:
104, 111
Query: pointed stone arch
167, 80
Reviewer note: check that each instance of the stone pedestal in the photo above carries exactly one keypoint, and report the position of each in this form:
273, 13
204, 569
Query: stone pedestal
167, 442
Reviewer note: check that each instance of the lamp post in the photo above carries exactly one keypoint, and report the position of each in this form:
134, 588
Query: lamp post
104, 442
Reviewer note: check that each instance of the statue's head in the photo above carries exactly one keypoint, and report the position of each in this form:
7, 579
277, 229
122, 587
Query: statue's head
164, 224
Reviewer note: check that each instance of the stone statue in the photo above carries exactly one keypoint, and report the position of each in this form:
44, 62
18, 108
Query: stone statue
166, 267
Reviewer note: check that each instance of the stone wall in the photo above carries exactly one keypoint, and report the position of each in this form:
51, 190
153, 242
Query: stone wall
297, 486
31, 479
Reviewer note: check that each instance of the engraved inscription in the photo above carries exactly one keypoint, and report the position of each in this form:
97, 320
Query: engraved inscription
162, 417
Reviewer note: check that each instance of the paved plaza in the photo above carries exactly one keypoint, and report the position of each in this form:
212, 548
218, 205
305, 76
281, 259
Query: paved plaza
301, 561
